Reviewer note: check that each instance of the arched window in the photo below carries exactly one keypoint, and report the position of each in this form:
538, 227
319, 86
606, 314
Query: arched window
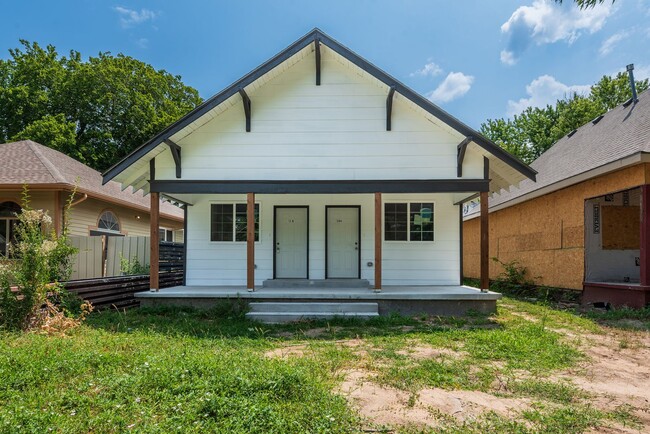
8, 220
108, 222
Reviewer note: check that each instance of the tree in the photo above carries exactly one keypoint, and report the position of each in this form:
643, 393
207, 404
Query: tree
112, 103
584, 4
530, 133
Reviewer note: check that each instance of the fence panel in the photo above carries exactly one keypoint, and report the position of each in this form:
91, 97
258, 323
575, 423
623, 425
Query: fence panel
172, 256
87, 263
125, 247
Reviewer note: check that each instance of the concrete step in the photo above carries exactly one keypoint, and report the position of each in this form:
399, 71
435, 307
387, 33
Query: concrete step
314, 307
278, 312
316, 283
277, 318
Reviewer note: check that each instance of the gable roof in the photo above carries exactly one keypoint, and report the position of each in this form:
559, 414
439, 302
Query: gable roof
621, 133
316, 36
27, 162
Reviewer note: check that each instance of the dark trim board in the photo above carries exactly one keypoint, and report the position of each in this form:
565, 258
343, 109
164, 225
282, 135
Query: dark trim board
320, 187
275, 208
308, 39
327, 207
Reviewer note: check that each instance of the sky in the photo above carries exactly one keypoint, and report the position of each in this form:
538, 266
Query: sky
476, 59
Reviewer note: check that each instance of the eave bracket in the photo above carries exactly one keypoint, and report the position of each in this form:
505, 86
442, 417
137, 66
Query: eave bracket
317, 44
389, 108
247, 108
462, 147
176, 154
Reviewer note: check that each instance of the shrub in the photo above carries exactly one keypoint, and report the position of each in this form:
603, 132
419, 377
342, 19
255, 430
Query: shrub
132, 267
30, 292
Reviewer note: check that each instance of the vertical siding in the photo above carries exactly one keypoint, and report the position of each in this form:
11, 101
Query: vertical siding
224, 263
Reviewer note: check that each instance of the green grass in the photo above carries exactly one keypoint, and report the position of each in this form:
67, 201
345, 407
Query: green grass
182, 370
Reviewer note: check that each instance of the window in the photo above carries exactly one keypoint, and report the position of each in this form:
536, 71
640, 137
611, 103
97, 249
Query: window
8, 222
108, 222
228, 222
166, 234
408, 221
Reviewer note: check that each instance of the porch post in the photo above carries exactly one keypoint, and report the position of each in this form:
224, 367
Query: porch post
154, 256
250, 242
378, 231
644, 236
485, 243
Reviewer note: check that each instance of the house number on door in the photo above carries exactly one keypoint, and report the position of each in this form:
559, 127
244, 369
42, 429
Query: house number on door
339, 221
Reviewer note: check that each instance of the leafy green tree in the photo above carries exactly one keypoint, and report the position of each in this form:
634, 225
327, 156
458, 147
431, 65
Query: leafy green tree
114, 103
530, 133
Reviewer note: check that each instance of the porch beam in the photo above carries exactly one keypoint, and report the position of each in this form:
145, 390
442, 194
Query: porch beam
389, 108
176, 155
317, 45
462, 147
247, 108
250, 241
154, 256
378, 240
319, 186
644, 254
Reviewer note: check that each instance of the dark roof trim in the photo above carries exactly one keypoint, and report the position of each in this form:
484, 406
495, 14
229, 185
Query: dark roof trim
319, 186
354, 58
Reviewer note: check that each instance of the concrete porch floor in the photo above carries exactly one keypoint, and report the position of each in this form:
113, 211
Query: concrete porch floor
453, 300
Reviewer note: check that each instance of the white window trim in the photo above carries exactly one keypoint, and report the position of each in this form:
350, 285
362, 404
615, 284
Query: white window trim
167, 230
232, 202
408, 223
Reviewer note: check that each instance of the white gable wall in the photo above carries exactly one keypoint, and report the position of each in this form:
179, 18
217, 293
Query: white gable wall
334, 131
404, 263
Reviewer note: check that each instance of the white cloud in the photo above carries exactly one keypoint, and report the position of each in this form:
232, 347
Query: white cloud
641, 72
131, 17
546, 22
431, 69
508, 57
542, 91
143, 43
455, 85
610, 43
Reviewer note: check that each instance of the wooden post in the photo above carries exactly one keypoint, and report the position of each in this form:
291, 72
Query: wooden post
485, 243
250, 242
378, 231
644, 236
155, 241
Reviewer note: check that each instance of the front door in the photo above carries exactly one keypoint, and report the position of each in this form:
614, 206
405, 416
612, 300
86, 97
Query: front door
291, 238
343, 244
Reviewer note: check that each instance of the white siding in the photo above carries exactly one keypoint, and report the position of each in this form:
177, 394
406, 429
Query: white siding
405, 263
333, 131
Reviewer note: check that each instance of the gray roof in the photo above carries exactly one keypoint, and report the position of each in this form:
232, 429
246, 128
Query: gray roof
27, 162
622, 132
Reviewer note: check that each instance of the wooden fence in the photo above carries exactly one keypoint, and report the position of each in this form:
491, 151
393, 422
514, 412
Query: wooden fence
117, 292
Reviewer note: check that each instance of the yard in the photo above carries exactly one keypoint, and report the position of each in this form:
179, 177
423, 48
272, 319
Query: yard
529, 368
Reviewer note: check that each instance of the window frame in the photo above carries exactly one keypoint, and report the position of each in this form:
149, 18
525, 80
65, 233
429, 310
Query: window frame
234, 204
104, 231
167, 231
408, 220
9, 230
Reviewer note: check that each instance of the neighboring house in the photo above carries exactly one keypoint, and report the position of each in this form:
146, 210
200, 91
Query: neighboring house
319, 166
98, 209
584, 223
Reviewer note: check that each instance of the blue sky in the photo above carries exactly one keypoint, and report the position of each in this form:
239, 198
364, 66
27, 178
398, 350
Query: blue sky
476, 59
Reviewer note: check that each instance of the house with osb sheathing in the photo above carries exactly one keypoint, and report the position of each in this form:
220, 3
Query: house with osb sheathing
585, 223
319, 185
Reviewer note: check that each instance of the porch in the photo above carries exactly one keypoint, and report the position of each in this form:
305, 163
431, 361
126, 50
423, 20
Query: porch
448, 300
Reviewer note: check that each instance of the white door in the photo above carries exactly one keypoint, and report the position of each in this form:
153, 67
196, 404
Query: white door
343, 243
291, 243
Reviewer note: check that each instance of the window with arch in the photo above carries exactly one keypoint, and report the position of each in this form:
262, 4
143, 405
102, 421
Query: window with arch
108, 222
8, 220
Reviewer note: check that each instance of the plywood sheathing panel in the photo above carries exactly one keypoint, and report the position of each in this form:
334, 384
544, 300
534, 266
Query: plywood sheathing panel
546, 234
620, 227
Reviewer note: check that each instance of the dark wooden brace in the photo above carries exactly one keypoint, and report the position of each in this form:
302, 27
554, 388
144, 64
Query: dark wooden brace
247, 108
462, 147
389, 107
176, 154
317, 44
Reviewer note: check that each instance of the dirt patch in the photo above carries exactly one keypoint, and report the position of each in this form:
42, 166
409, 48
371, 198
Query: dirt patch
617, 373
422, 352
385, 405
287, 352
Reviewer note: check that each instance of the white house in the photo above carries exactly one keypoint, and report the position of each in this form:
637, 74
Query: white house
338, 169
